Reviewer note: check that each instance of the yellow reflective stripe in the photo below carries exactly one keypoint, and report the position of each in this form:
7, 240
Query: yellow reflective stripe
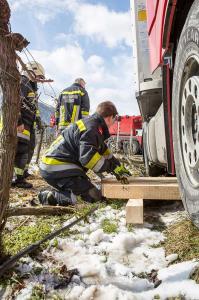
58, 139
34, 125
72, 93
64, 123
85, 113
81, 125
107, 152
92, 162
37, 113
52, 147
1, 123
74, 113
52, 161
31, 94
26, 132
62, 114
18, 171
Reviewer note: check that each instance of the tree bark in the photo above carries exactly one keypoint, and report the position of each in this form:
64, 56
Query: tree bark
40, 211
9, 84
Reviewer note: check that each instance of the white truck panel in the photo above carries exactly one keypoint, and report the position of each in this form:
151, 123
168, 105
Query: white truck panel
140, 39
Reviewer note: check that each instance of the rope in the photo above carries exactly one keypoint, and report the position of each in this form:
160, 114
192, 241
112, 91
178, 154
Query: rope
27, 50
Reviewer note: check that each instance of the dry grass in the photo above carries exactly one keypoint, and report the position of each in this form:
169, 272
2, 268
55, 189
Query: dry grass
183, 239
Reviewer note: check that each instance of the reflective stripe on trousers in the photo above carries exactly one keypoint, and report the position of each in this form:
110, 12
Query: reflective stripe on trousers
75, 113
18, 171
64, 167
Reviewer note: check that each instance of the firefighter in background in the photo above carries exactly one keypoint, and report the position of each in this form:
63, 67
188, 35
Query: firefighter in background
52, 120
80, 147
27, 117
73, 104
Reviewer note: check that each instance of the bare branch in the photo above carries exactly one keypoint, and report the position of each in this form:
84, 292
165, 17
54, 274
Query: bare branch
39, 211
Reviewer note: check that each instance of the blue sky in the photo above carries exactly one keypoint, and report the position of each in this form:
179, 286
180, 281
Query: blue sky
87, 38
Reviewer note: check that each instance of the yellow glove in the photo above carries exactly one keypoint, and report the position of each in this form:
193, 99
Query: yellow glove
121, 171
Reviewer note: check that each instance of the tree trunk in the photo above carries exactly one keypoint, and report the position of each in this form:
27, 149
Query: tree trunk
9, 83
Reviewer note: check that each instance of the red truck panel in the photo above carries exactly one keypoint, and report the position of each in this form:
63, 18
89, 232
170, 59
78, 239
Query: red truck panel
151, 13
126, 124
155, 19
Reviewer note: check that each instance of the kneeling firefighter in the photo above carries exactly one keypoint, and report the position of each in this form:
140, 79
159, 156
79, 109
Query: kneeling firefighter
80, 147
27, 117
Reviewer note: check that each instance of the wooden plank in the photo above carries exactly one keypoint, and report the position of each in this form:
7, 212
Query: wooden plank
141, 190
143, 180
134, 211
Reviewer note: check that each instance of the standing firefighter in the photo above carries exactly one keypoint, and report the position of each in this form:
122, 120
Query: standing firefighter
27, 117
73, 104
80, 147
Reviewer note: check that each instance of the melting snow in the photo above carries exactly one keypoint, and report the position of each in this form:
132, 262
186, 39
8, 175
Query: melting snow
117, 265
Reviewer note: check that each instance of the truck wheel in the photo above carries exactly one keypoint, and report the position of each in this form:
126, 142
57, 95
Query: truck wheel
185, 118
125, 147
135, 147
151, 169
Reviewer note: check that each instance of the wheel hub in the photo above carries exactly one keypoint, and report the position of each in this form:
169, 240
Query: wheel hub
190, 122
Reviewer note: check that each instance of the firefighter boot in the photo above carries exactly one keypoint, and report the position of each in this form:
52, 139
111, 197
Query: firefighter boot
47, 198
93, 195
62, 198
26, 174
20, 182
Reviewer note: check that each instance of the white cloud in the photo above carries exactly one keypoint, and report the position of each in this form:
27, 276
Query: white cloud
103, 25
113, 80
44, 10
94, 21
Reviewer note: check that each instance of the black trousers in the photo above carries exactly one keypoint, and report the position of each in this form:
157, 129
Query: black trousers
78, 185
31, 145
21, 156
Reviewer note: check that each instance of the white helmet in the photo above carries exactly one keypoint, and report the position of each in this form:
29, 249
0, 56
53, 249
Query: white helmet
36, 69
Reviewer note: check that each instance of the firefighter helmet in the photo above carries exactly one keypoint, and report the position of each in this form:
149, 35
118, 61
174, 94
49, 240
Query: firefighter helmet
36, 69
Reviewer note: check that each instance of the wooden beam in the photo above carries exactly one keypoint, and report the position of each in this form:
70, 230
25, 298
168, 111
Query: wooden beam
134, 211
160, 188
143, 179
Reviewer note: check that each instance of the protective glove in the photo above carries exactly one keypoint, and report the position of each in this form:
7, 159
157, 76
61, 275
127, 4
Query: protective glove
120, 172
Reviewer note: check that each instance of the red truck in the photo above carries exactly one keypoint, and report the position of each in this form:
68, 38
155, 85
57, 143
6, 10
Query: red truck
167, 50
126, 135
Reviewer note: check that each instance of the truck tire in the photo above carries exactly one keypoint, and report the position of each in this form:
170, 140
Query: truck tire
151, 169
111, 143
135, 147
185, 117
125, 147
